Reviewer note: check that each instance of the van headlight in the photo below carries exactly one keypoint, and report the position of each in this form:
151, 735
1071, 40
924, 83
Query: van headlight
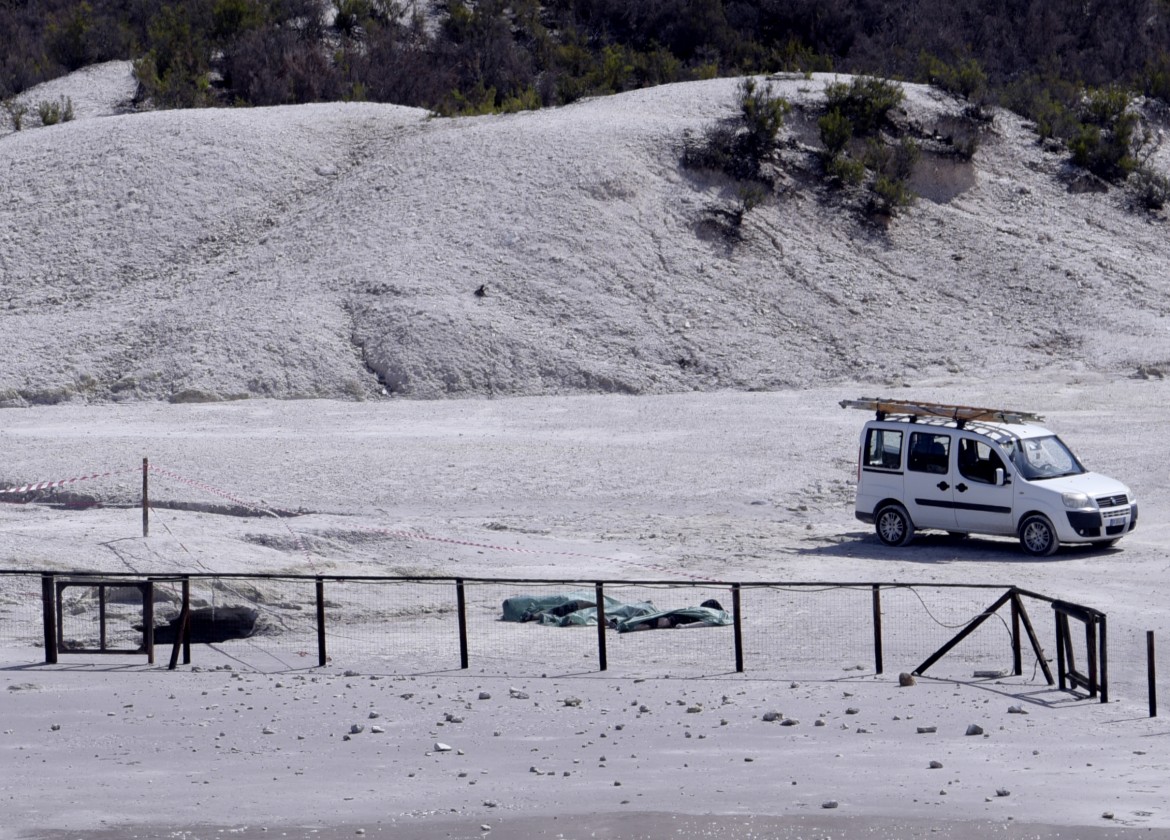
1076, 500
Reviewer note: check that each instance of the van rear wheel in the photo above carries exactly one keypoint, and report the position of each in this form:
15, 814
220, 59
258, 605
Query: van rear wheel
1037, 536
893, 525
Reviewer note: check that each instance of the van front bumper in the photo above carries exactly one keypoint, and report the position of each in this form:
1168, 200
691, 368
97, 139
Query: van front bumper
1093, 525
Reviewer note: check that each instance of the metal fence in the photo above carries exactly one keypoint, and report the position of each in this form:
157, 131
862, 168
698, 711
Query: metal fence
396, 625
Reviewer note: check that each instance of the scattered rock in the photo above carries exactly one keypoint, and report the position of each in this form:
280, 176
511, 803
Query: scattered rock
974, 729
906, 679
441, 747
572, 701
1003, 792
771, 716
356, 729
829, 803
852, 711
936, 765
1017, 710
929, 730
484, 695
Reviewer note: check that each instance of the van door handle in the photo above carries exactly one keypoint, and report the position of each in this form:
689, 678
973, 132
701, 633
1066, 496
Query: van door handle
961, 487
942, 485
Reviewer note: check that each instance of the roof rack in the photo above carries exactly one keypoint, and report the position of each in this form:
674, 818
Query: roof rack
961, 414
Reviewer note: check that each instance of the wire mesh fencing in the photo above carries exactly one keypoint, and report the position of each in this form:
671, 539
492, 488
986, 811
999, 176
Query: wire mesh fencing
522, 628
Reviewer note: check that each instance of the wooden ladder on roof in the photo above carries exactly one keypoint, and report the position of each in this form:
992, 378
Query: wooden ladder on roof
959, 413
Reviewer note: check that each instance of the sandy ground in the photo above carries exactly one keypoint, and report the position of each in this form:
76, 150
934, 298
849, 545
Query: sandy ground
724, 486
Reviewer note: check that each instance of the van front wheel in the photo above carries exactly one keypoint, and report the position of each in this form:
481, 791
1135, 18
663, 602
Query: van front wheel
1037, 536
893, 525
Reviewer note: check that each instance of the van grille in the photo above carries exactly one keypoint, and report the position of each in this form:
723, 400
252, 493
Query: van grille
1112, 501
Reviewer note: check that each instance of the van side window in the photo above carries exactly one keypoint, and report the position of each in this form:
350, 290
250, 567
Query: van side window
978, 461
929, 452
883, 449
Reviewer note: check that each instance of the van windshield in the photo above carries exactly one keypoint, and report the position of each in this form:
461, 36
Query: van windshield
1043, 457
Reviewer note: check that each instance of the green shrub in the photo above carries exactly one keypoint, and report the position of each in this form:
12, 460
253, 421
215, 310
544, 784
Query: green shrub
845, 170
966, 79
52, 113
763, 115
739, 147
836, 132
866, 102
887, 196
892, 167
1050, 102
1151, 190
1109, 136
16, 111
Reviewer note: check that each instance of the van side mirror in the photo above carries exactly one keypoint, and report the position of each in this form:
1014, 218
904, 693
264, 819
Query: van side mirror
1001, 478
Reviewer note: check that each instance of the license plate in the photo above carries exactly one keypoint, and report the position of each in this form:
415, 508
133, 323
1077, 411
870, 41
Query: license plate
1113, 523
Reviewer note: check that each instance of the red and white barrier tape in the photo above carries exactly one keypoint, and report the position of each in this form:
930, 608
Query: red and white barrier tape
276, 513
282, 514
48, 485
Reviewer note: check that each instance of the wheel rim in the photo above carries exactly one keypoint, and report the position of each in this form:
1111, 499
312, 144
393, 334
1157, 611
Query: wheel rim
891, 527
1037, 536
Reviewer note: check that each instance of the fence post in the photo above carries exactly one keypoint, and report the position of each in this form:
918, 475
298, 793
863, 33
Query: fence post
602, 660
145, 503
461, 601
185, 589
1102, 640
1150, 673
321, 653
735, 612
49, 610
148, 619
877, 628
1017, 652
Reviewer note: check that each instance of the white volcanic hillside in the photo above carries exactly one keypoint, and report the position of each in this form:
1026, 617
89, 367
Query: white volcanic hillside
335, 250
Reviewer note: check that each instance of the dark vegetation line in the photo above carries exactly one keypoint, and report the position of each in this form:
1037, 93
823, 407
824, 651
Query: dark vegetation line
1071, 66
1034, 56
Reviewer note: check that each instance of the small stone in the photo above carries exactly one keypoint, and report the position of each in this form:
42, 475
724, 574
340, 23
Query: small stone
789, 722
484, 695
819, 722
906, 679
1108, 815
485, 827
491, 803
694, 710
356, 729
974, 729
927, 730
853, 710
771, 716
377, 730
829, 803
1003, 792
268, 730
1017, 710
441, 747
936, 765
56, 727
375, 715
572, 701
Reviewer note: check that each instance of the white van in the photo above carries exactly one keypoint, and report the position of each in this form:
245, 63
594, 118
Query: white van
972, 470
